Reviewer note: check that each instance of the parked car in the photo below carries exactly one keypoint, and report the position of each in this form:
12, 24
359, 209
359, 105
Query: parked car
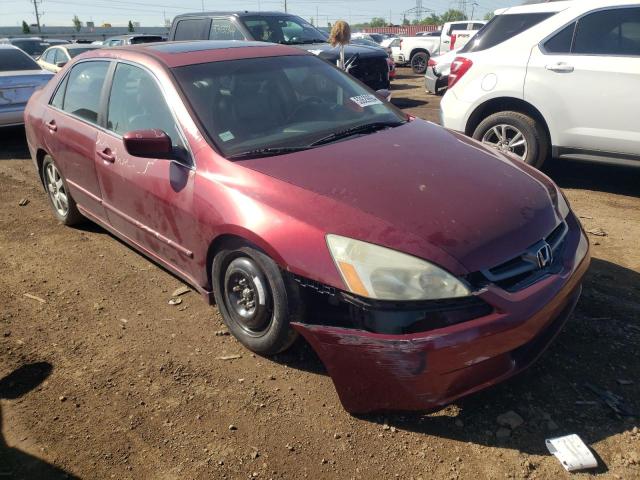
282, 188
369, 65
33, 46
435, 33
416, 51
553, 79
54, 58
57, 41
436, 78
371, 43
374, 37
20, 76
132, 39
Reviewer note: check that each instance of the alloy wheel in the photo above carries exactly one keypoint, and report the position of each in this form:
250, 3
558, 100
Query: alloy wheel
57, 190
507, 139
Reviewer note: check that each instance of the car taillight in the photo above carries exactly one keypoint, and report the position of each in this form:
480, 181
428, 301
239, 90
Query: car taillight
454, 37
459, 67
431, 63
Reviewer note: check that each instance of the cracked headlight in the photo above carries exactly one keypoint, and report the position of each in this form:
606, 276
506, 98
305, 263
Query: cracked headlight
377, 272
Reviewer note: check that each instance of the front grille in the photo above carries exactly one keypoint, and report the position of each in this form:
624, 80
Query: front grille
374, 72
539, 260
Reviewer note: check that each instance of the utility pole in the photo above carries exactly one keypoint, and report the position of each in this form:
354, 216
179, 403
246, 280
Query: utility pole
390, 21
317, 19
203, 5
35, 6
473, 9
285, 6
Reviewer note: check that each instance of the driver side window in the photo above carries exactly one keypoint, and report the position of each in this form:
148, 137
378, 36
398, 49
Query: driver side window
137, 103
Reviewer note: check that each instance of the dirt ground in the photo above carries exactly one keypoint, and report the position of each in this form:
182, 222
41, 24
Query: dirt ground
101, 378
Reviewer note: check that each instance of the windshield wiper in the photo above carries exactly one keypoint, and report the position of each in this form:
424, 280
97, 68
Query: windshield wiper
366, 128
266, 152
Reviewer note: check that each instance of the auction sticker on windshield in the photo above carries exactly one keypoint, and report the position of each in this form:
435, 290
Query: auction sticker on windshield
366, 100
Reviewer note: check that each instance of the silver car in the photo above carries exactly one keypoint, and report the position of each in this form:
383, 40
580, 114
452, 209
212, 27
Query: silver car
20, 76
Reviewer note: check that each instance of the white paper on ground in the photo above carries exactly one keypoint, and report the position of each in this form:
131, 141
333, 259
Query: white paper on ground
572, 452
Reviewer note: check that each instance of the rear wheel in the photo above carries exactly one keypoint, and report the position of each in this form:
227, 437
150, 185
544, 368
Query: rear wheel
64, 207
419, 62
515, 133
256, 302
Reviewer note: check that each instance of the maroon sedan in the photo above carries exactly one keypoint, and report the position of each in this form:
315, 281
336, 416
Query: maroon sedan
420, 265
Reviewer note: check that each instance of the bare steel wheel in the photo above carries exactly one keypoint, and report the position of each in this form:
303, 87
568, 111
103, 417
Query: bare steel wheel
508, 139
64, 207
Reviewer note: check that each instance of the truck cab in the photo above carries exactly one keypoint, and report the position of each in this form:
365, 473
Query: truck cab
367, 64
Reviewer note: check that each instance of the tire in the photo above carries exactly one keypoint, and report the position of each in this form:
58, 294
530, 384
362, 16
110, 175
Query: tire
63, 205
535, 149
260, 317
419, 62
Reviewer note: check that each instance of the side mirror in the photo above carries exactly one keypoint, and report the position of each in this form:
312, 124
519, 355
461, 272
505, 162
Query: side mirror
60, 64
384, 95
148, 144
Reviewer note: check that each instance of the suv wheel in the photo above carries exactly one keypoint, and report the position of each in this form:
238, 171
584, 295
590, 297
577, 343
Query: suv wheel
256, 302
515, 133
419, 62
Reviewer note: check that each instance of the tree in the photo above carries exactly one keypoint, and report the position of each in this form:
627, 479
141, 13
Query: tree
77, 24
489, 16
378, 22
405, 21
25, 27
452, 15
131, 29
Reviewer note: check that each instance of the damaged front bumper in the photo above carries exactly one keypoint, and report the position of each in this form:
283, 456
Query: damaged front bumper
375, 371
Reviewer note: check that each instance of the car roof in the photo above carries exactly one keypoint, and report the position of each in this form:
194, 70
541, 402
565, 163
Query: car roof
558, 6
8, 46
236, 13
178, 54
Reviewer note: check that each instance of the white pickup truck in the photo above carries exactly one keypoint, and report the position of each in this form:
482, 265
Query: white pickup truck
416, 51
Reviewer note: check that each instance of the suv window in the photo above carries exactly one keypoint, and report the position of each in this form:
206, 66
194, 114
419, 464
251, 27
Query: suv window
609, 32
193, 29
561, 41
137, 103
84, 88
503, 27
224, 29
457, 26
289, 29
11, 59
58, 98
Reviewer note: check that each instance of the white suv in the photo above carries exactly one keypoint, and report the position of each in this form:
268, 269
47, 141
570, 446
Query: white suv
559, 78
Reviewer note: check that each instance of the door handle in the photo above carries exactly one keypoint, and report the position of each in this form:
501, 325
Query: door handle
52, 126
560, 67
106, 155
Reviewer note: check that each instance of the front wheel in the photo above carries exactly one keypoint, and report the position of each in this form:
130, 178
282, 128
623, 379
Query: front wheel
419, 62
256, 302
515, 133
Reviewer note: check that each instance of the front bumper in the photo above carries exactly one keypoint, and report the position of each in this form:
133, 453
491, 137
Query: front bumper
423, 371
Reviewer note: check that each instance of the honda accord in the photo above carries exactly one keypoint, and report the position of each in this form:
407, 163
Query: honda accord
419, 264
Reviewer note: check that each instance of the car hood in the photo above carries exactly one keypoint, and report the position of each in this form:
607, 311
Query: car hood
327, 52
475, 204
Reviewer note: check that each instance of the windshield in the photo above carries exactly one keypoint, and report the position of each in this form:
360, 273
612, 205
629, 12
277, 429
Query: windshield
503, 27
11, 60
278, 102
32, 47
73, 52
288, 30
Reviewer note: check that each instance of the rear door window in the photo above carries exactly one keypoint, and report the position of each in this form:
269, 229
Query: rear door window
609, 32
503, 27
60, 56
84, 89
192, 29
224, 29
561, 42
49, 55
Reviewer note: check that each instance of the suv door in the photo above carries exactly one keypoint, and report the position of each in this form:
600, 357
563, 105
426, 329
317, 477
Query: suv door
72, 117
584, 80
147, 200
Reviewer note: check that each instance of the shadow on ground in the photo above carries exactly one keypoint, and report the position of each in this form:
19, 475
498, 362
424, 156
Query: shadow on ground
590, 176
13, 144
597, 346
14, 463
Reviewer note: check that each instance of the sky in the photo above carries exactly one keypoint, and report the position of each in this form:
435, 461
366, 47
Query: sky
156, 12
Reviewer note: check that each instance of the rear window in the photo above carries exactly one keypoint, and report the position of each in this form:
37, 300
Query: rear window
11, 59
503, 27
146, 39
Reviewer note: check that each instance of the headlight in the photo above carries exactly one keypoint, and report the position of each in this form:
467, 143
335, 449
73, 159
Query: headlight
377, 272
